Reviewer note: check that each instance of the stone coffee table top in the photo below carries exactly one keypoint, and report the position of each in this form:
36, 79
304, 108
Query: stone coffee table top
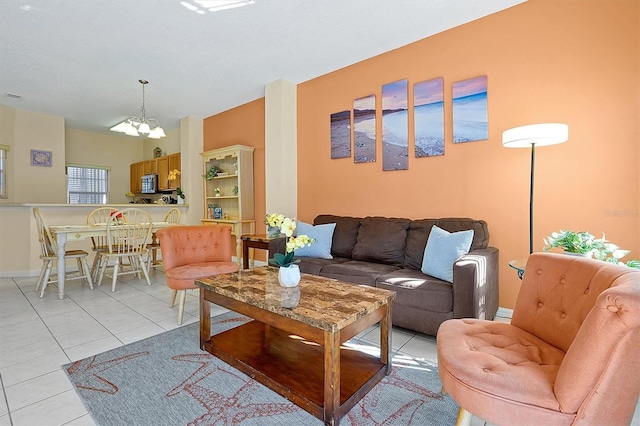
320, 302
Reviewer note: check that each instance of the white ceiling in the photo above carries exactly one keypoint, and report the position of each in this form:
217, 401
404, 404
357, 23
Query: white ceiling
82, 59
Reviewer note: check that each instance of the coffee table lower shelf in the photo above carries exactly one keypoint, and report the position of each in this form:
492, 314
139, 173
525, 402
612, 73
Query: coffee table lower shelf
294, 367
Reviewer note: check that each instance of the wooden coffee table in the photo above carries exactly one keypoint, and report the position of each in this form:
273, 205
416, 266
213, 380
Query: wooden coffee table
293, 344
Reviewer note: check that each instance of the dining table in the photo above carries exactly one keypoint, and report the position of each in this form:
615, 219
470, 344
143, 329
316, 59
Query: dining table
65, 233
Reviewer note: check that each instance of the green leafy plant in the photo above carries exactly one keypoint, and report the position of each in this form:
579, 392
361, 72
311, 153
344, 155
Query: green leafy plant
585, 243
213, 172
179, 192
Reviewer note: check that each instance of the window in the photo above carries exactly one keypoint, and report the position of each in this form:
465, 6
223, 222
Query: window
3, 170
87, 184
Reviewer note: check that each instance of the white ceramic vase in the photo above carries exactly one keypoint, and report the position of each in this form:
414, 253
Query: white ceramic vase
289, 276
180, 200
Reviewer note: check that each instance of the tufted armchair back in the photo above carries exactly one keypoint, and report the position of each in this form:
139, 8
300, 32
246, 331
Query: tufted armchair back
185, 245
558, 292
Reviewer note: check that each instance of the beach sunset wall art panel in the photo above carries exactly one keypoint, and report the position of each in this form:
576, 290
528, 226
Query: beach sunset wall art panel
395, 126
341, 134
470, 119
428, 114
364, 130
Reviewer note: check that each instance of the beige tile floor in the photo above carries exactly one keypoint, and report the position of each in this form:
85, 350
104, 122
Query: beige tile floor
38, 335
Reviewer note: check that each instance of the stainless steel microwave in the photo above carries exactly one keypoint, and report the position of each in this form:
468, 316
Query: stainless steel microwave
149, 184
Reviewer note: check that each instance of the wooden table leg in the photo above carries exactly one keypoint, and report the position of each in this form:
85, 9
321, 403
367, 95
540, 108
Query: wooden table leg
205, 319
245, 254
331, 378
385, 338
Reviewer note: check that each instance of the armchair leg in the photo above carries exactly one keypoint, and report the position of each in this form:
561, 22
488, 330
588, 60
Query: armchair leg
183, 296
172, 301
464, 417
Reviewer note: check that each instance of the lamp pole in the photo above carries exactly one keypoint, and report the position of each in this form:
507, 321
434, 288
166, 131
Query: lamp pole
533, 163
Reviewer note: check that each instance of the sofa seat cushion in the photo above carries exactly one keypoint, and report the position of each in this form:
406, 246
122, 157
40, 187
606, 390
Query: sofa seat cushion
498, 359
185, 275
356, 272
417, 290
313, 265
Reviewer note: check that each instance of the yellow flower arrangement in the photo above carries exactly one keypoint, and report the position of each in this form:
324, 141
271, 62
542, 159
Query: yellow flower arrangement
173, 174
287, 227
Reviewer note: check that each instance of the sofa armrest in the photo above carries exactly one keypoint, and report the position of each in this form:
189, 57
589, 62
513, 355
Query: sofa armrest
475, 284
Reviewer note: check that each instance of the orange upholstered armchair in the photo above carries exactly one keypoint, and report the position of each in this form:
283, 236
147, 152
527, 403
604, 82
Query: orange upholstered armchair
192, 252
571, 354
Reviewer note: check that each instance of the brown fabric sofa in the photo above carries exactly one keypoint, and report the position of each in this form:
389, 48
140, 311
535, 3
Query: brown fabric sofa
387, 253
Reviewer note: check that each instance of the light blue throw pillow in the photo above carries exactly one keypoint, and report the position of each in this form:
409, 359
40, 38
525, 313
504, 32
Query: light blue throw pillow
442, 250
324, 238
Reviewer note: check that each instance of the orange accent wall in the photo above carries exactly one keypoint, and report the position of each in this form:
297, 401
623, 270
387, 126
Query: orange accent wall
243, 125
574, 62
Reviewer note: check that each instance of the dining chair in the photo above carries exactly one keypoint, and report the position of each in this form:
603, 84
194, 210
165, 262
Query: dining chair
99, 216
193, 252
172, 216
49, 255
127, 235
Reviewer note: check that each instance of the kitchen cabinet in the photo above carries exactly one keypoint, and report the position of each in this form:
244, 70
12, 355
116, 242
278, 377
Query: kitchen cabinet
151, 167
159, 166
165, 164
136, 171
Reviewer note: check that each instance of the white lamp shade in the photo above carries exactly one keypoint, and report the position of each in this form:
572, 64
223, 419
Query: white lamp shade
131, 131
157, 133
120, 127
144, 128
535, 134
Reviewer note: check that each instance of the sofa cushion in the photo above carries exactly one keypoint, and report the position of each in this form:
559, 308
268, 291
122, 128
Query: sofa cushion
323, 234
381, 240
344, 236
442, 250
419, 233
417, 290
356, 272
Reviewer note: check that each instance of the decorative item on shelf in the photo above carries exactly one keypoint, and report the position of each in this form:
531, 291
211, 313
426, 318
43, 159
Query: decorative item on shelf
217, 190
289, 273
180, 195
235, 168
135, 126
212, 173
157, 152
585, 244
173, 174
132, 196
235, 190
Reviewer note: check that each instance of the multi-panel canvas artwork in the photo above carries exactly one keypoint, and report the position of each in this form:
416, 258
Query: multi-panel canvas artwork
428, 116
470, 118
395, 126
364, 130
341, 134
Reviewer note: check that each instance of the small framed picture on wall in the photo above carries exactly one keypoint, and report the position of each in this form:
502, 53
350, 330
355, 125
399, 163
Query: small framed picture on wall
41, 158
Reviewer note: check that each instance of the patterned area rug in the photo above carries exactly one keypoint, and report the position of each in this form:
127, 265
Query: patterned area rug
167, 380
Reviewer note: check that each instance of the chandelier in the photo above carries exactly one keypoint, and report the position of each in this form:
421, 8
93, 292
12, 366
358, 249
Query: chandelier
135, 126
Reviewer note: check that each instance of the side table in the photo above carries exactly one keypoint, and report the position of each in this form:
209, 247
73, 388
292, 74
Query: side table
519, 265
260, 241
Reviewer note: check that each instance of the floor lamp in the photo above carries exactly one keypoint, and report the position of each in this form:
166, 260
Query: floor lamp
532, 135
